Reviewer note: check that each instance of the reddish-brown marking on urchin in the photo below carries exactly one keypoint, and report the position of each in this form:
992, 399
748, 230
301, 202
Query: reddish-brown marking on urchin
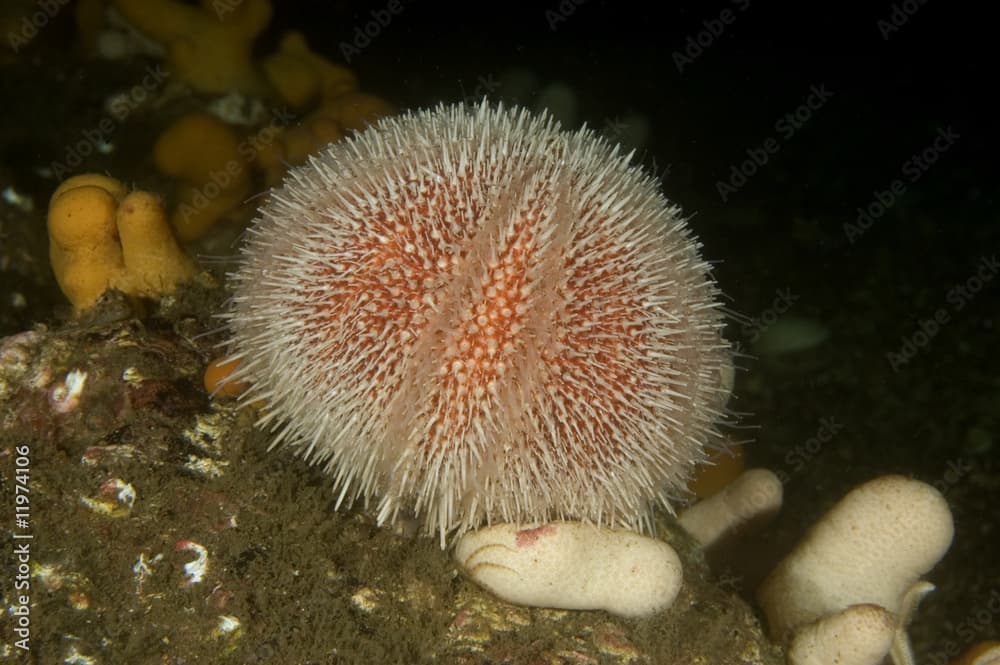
527, 537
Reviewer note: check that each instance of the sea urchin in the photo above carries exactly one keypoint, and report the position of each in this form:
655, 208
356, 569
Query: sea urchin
472, 316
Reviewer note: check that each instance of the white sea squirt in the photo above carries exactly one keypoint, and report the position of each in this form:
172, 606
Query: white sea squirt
572, 565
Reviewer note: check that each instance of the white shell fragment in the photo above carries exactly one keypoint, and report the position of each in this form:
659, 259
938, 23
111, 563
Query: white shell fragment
194, 570
124, 496
227, 625
575, 566
65, 395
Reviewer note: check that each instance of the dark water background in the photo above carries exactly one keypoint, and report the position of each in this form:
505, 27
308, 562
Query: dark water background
836, 164
882, 109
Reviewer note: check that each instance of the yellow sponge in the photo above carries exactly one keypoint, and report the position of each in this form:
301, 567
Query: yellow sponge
300, 76
203, 153
101, 237
208, 47
154, 262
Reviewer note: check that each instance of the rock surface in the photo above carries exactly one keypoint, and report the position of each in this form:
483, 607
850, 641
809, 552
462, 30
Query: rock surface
164, 532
